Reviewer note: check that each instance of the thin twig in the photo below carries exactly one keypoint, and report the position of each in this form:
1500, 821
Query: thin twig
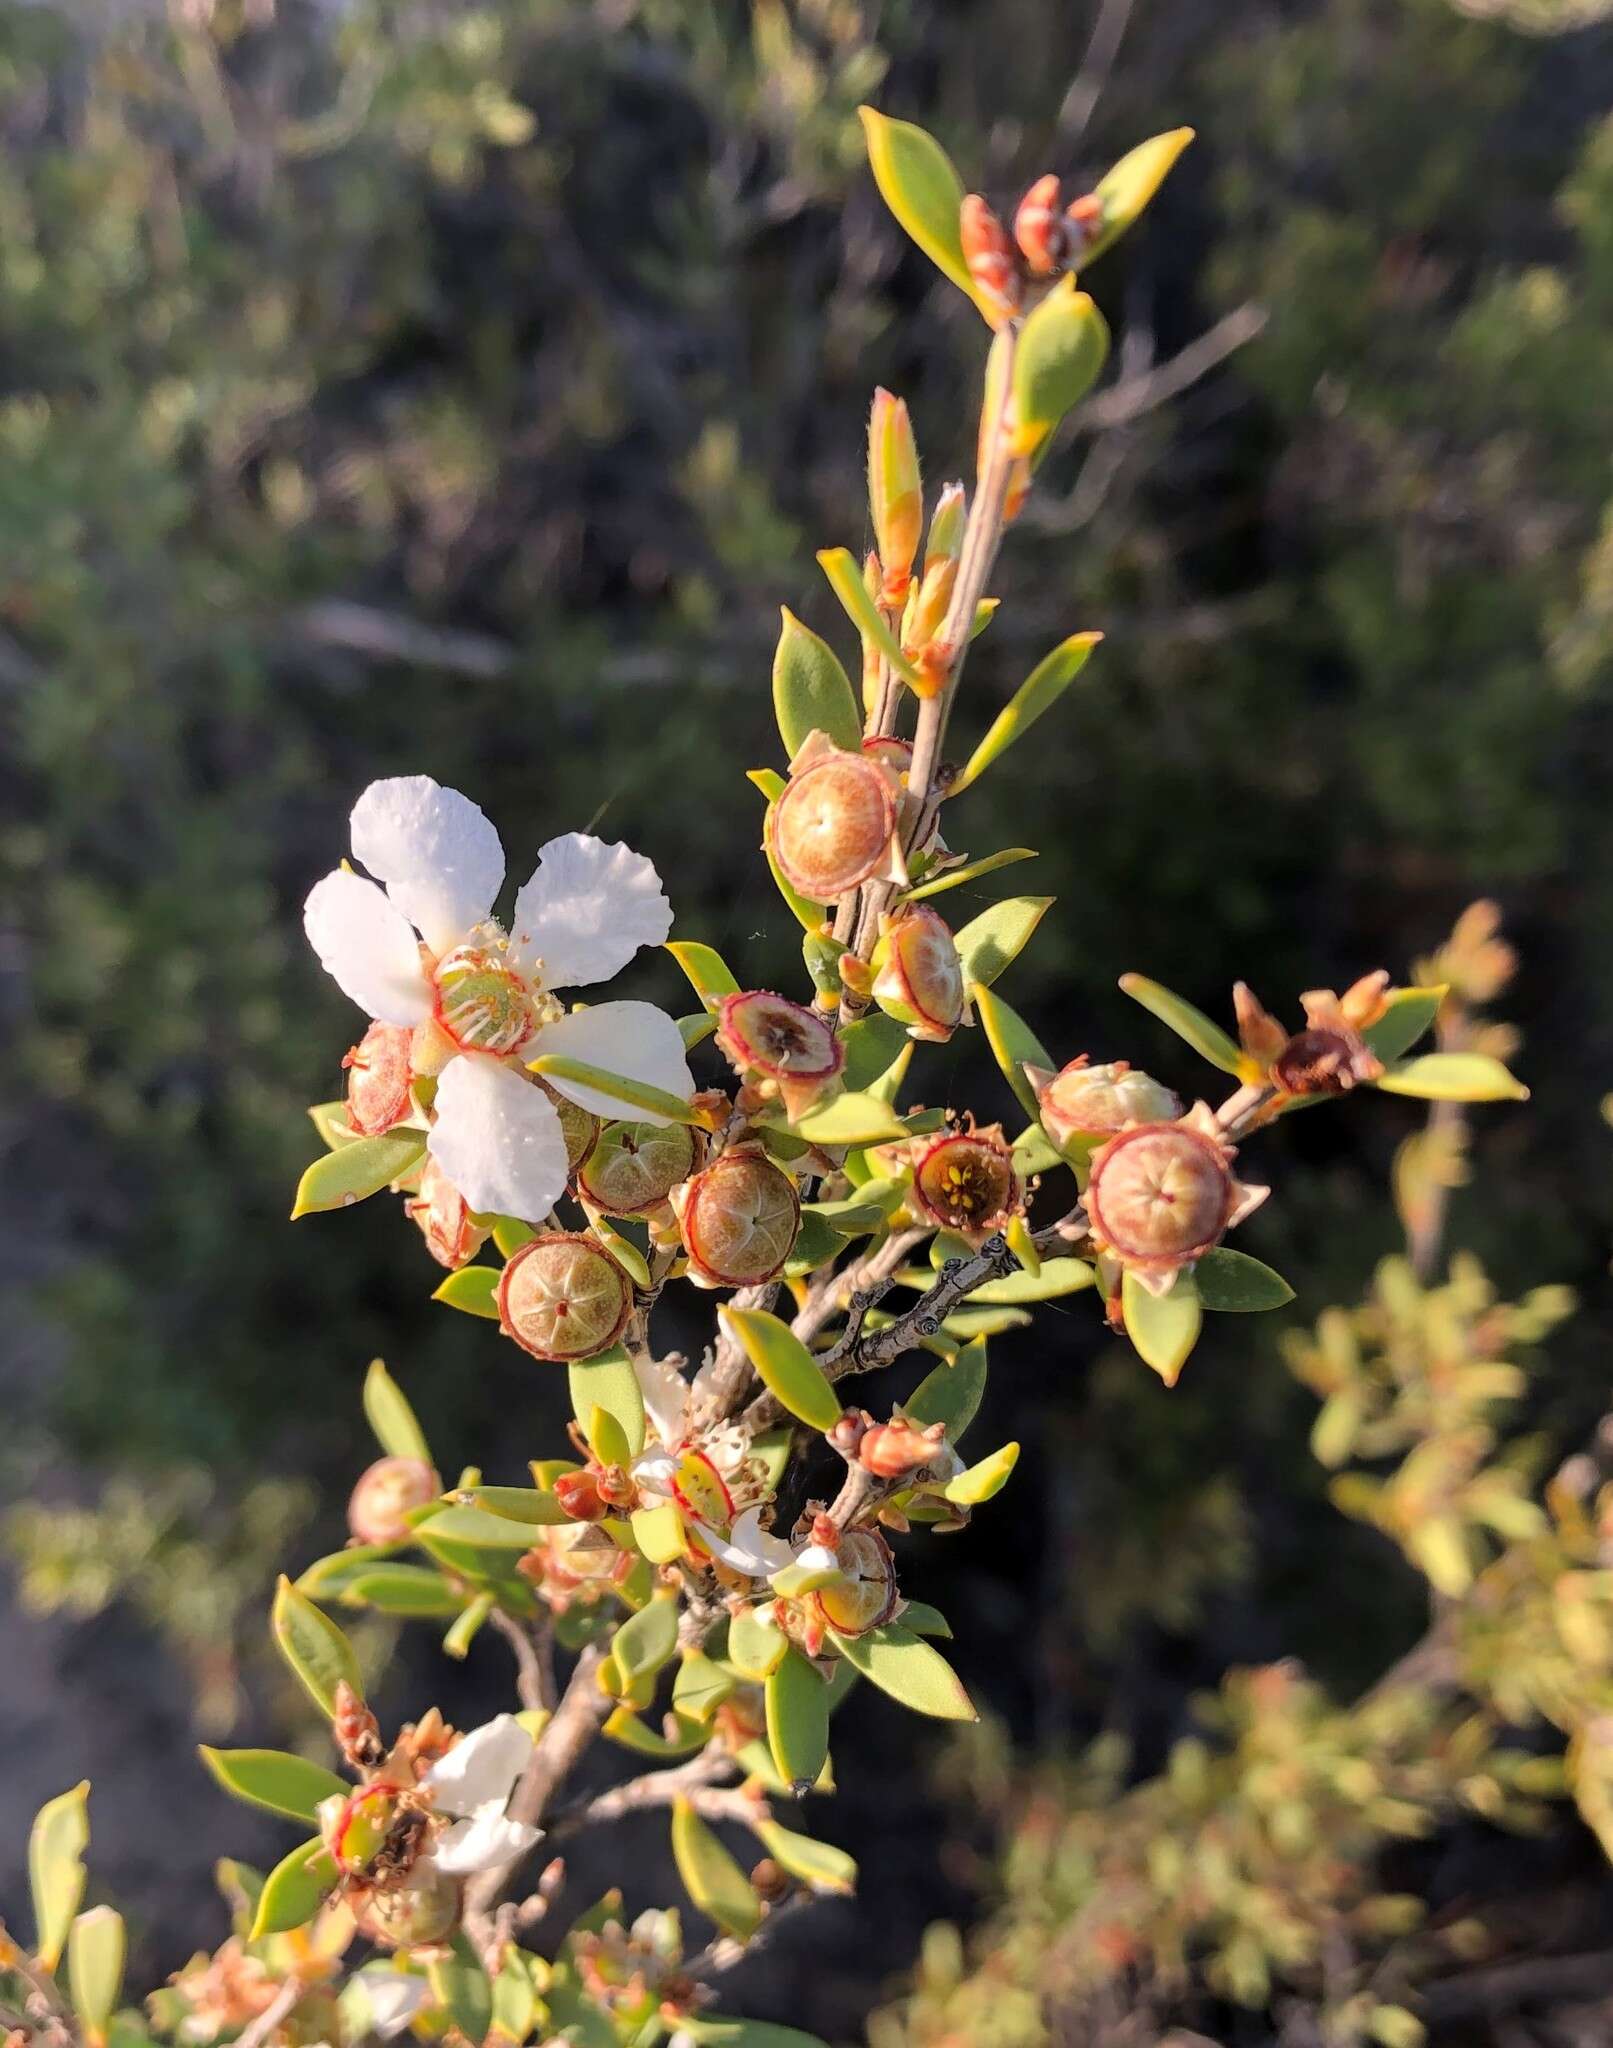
534, 1659
698, 1781
257, 2031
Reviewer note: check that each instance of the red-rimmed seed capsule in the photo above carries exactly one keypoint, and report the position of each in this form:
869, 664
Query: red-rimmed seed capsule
738, 1219
578, 1126
383, 1496
790, 1049
356, 1828
830, 830
1082, 1101
918, 977
562, 1298
870, 1599
451, 1233
1162, 1194
965, 1181
634, 1166
378, 1078
424, 1912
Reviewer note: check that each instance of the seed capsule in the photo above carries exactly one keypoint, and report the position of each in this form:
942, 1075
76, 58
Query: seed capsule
378, 1078
1040, 229
451, 1233
634, 1167
356, 1828
918, 977
561, 1297
966, 1183
992, 263
870, 1599
419, 1914
831, 828
738, 1219
575, 1562
792, 1049
1083, 1101
578, 1126
384, 1494
1161, 1194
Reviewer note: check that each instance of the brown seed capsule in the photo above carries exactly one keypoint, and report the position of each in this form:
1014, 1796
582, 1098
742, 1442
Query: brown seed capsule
918, 977
738, 1219
1083, 1101
634, 1166
1161, 1194
791, 1048
561, 1297
966, 1183
870, 1599
384, 1494
378, 1078
992, 263
452, 1235
578, 1126
831, 828
421, 1913
1040, 229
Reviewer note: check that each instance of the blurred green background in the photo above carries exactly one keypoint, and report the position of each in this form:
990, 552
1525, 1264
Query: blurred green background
388, 387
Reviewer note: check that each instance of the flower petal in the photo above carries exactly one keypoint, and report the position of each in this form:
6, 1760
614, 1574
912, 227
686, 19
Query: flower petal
368, 948
439, 857
587, 909
751, 1549
484, 1841
635, 1040
481, 1768
498, 1139
654, 1472
666, 1396
391, 2000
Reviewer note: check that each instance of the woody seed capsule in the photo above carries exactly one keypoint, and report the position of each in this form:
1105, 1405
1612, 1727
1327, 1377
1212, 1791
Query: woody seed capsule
423, 1912
738, 1219
383, 1496
1083, 1101
1161, 1194
790, 1047
966, 1183
870, 1599
562, 1298
918, 977
451, 1233
830, 830
635, 1166
578, 1126
378, 1079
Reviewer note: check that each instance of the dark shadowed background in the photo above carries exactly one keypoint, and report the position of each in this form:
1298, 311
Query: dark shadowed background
462, 388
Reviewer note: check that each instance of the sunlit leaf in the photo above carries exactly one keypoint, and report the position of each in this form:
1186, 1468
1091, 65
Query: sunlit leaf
951, 1394
387, 1410
954, 878
1062, 347
1409, 1013
274, 1779
356, 1171
95, 1951
1453, 1077
647, 1641
984, 1481
910, 1670
314, 1647
785, 1366
818, 1864
294, 1890
850, 1119
1205, 1036
1058, 1277
917, 181
608, 1381
1128, 187
1039, 692
811, 690
472, 1289
992, 941
56, 1843
713, 1880
846, 581
1163, 1328
621, 1088
709, 974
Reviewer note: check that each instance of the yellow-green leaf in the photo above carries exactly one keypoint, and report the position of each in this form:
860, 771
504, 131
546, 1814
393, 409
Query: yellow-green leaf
992, 941
658, 1532
356, 1171
647, 1641
294, 1890
917, 181
615, 1088
95, 1952
910, 1670
608, 1381
846, 581
709, 974
701, 1685
274, 1779
1454, 1077
1409, 1013
1163, 1328
852, 1118
755, 1644
1062, 348
953, 878
983, 1481
1039, 692
1057, 1277
1228, 1280
951, 1394
1013, 1043
330, 1120
413, 1592
625, 1727
711, 1877
784, 1364
1127, 189
56, 1845
1206, 1037
819, 1865
386, 1409
811, 691
471, 1289
313, 1646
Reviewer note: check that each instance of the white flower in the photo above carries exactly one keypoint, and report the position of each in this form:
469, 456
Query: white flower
473, 1782
425, 949
388, 1999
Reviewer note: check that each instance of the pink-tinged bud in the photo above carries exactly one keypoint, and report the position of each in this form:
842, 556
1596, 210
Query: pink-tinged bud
385, 1493
1040, 229
791, 1049
927, 609
947, 523
831, 829
562, 1298
578, 1493
918, 977
358, 1828
1081, 1101
993, 266
354, 1729
1161, 1194
738, 1219
378, 1077
423, 1913
891, 751
451, 1233
870, 1599
966, 1182
848, 1433
634, 1167
895, 496
578, 1126
891, 1449
1083, 224
480, 1002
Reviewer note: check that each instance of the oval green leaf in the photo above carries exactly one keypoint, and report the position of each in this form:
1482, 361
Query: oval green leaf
984, 1481
294, 1890
1062, 348
1206, 1037
711, 1877
951, 1394
1127, 189
993, 940
409, 1591
313, 1646
1230, 1281
356, 1171
910, 1670
608, 1381
1039, 692
917, 181
811, 691
1409, 1014
387, 1410
473, 1290
785, 1366
819, 1865
56, 1843
274, 1779
851, 1119
1163, 1328
647, 1641
1057, 1277
709, 974
95, 1953
1453, 1077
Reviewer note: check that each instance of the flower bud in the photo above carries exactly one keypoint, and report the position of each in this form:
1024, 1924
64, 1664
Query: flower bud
422, 1913
947, 522
354, 1728
562, 1297
966, 1183
1083, 220
1040, 229
993, 267
870, 1599
378, 1077
890, 1449
918, 977
384, 1494
831, 828
1161, 1194
792, 1049
738, 1219
1083, 1101
634, 1166
849, 1431
579, 1495
451, 1233
578, 1126
895, 498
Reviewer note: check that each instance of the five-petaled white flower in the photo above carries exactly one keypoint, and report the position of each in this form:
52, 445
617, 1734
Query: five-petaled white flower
473, 1783
424, 951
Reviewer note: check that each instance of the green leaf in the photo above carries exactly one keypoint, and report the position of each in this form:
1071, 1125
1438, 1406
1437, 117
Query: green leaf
709, 974
510, 1233
1206, 1037
294, 1890
274, 1779
786, 1367
953, 878
910, 1670
625, 1727
1410, 1012
1062, 347
608, 1381
817, 1864
56, 1845
469, 1625
1163, 1328
991, 941
696, 1030
637, 1095
1058, 1277
755, 1646
701, 1685
811, 691
607, 1439
409, 1591
330, 1120
522, 1503
95, 1952
658, 1532
872, 1044
482, 1530
1127, 189
1034, 1152
846, 581
1232, 1281
363, 1168
920, 1619
810, 916
852, 1118
313, 1646
746, 2034
389, 1415
1453, 1077
917, 182
711, 1877
620, 1247
984, 1481
951, 1394
647, 1641
461, 1986
768, 781
1039, 692
471, 1289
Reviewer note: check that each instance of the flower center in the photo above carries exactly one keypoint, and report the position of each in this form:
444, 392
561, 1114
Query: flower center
481, 1002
